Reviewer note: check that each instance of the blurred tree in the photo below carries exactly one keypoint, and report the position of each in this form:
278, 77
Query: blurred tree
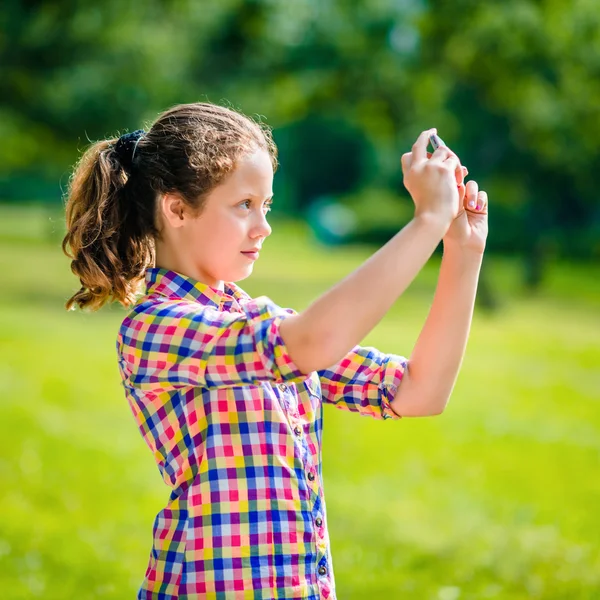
525, 86
512, 86
72, 69
323, 156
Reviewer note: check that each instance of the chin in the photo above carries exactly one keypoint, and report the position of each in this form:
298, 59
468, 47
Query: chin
240, 275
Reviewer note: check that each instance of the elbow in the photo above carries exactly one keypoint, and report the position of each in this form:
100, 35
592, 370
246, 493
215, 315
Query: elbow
433, 404
433, 409
414, 399
422, 407
436, 400
427, 391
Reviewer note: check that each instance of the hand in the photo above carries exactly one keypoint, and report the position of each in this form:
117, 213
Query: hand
432, 180
460, 173
469, 229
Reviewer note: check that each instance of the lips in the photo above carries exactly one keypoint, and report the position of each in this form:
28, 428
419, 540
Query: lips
252, 254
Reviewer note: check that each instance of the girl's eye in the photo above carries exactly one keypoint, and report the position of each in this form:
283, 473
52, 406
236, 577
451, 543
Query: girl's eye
248, 205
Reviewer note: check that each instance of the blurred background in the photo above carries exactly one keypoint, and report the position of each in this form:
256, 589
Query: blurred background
498, 497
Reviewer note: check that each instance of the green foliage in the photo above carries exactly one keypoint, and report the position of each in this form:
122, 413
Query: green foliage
512, 86
495, 499
523, 92
322, 156
85, 71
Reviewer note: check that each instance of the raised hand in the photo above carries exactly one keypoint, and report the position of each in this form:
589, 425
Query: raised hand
469, 229
432, 180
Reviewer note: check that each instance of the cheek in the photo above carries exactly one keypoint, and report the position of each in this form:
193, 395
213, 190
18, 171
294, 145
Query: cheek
219, 233
226, 229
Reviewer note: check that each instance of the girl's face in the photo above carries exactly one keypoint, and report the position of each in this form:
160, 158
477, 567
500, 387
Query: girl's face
224, 242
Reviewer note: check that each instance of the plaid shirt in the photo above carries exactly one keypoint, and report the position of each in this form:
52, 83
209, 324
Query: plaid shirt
235, 429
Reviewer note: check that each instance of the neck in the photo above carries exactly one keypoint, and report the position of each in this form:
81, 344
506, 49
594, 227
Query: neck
167, 257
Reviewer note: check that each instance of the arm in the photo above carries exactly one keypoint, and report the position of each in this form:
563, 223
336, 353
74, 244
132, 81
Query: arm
365, 381
330, 327
322, 334
434, 364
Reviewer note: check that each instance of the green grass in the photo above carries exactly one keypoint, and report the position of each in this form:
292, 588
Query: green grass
497, 498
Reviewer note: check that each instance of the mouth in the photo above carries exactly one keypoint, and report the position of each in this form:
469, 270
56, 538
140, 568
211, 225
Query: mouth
252, 255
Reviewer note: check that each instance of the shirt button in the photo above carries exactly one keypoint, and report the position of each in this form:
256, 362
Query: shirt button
283, 387
322, 570
298, 431
318, 521
311, 476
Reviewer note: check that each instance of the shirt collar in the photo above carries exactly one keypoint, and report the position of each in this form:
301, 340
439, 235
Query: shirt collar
175, 285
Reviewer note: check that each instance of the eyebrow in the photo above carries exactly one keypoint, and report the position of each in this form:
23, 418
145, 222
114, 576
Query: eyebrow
254, 196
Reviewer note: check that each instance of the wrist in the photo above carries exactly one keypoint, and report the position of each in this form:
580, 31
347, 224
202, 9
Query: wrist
433, 221
454, 248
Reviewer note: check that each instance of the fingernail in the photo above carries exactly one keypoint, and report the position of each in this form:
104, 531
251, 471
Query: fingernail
478, 207
471, 202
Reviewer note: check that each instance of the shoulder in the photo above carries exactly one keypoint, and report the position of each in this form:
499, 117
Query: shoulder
153, 311
160, 314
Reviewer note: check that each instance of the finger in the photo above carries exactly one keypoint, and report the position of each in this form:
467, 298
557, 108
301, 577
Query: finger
461, 192
419, 149
472, 189
461, 172
452, 162
406, 161
441, 154
465, 170
482, 202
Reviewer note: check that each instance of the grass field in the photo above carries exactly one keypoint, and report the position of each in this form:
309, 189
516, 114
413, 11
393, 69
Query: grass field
497, 498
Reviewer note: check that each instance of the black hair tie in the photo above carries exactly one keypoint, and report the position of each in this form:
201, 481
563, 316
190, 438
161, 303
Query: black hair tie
125, 147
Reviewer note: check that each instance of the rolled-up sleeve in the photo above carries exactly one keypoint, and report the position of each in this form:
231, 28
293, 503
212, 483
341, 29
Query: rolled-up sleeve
364, 381
176, 344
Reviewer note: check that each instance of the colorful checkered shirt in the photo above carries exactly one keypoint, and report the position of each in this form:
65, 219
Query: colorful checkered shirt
235, 429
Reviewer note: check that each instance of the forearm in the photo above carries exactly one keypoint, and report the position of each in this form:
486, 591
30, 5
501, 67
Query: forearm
434, 364
332, 325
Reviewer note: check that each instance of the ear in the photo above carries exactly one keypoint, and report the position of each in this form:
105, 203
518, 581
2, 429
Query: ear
172, 210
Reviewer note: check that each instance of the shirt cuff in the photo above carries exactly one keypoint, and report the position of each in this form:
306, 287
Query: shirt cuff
392, 376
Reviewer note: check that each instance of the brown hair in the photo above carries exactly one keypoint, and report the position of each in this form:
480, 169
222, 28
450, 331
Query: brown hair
111, 201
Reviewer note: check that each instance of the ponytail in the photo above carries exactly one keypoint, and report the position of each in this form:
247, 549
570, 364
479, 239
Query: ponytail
109, 242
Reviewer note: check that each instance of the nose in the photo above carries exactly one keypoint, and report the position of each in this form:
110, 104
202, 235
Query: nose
261, 228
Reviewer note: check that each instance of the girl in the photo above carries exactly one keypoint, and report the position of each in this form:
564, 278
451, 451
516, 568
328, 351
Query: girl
227, 390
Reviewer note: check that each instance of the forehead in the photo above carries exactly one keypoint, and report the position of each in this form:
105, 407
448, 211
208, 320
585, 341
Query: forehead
254, 169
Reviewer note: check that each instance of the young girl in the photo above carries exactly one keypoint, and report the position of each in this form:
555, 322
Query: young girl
228, 390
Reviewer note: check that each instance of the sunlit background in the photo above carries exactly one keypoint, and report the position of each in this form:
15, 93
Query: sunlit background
499, 497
